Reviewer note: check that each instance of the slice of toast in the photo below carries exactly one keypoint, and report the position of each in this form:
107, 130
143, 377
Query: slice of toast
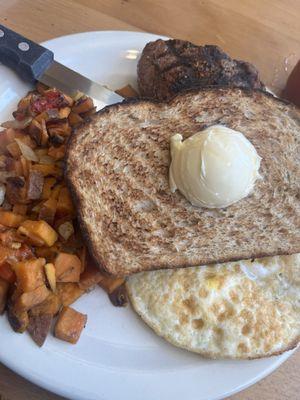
117, 169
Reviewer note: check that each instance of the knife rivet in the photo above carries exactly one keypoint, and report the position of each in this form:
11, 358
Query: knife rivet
1, 33
24, 46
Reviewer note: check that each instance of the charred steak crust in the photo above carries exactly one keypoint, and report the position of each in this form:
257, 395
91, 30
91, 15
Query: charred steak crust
168, 66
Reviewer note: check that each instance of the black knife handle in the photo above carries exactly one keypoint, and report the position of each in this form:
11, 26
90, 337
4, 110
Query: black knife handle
28, 59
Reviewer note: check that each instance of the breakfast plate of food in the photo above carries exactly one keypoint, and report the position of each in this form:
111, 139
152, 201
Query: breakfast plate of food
149, 249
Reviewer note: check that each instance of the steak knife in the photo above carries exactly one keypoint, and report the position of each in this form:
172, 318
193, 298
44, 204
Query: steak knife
33, 62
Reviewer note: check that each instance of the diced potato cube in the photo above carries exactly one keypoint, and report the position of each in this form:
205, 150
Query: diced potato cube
30, 274
82, 105
48, 210
67, 267
39, 327
30, 299
20, 209
47, 188
65, 204
10, 219
51, 276
17, 318
68, 292
48, 170
6, 271
39, 229
69, 325
14, 149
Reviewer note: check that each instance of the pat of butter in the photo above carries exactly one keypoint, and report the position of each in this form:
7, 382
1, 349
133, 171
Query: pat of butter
213, 168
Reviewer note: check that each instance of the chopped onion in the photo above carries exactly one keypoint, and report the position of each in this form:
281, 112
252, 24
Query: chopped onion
2, 193
66, 230
15, 124
27, 151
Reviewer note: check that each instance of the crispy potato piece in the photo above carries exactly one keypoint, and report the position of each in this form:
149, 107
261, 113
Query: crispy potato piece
35, 185
75, 119
51, 306
49, 183
57, 153
65, 204
4, 286
67, 267
48, 210
30, 299
40, 230
68, 292
127, 91
56, 191
90, 276
39, 327
51, 276
48, 170
83, 105
69, 325
20, 209
17, 318
110, 284
10, 219
30, 274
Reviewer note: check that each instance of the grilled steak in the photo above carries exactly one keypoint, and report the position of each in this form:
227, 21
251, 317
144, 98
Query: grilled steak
167, 67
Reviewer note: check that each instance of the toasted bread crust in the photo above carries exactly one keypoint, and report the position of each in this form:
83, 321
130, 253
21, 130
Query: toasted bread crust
129, 252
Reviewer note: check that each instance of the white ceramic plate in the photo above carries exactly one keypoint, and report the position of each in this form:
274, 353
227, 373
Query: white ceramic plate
117, 357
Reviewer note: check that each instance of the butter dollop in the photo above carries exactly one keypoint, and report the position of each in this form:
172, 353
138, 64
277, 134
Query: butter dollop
213, 168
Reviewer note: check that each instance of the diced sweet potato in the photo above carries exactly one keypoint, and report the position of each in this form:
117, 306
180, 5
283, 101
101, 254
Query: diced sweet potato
40, 230
30, 274
39, 327
51, 276
68, 292
56, 191
69, 325
4, 286
35, 185
49, 183
83, 105
17, 318
127, 91
110, 284
67, 267
48, 210
10, 219
74, 119
48, 170
65, 204
57, 153
51, 306
90, 276
20, 209
30, 299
